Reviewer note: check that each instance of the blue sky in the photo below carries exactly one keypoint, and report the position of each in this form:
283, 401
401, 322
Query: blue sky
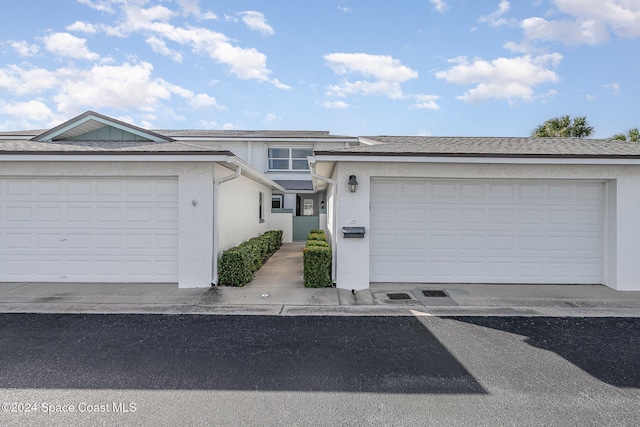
354, 67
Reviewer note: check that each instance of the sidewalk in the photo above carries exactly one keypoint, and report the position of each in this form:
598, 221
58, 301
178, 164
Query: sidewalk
278, 290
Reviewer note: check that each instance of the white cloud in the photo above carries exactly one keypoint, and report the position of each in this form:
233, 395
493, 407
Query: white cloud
426, 102
159, 46
340, 105
203, 101
568, 32
24, 49
496, 19
100, 5
208, 124
614, 87
35, 110
67, 45
189, 7
255, 21
74, 90
589, 22
387, 73
106, 86
503, 78
344, 9
439, 5
272, 118
82, 27
153, 22
209, 16
20, 81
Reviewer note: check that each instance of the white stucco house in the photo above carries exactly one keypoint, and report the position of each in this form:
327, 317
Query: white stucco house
282, 157
483, 210
99, 200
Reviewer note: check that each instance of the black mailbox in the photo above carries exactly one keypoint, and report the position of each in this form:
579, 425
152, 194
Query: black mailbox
353, 232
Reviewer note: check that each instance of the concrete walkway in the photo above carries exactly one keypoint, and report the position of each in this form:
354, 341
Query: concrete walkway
278, 289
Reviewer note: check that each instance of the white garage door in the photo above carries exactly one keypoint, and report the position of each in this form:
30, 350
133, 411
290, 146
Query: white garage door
89, 229
486, 231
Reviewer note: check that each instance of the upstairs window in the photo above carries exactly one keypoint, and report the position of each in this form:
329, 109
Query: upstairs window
289, 159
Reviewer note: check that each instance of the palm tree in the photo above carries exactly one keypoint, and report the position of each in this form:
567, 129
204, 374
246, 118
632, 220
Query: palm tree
563, 127
632, 135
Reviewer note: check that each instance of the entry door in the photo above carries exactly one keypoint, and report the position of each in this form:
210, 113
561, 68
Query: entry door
486, 231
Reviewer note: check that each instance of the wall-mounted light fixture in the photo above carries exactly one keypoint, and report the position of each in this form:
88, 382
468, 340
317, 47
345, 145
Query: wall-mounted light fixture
353, 183
322, 204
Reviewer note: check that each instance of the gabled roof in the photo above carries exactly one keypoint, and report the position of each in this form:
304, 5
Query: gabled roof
436, 146
94, 133
91, 121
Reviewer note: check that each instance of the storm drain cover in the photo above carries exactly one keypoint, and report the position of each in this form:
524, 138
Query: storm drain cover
434, 293
398, 295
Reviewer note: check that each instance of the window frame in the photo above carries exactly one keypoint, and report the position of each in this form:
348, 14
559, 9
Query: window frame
290, 159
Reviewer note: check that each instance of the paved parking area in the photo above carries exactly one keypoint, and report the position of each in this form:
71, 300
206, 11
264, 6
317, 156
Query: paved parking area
319, 370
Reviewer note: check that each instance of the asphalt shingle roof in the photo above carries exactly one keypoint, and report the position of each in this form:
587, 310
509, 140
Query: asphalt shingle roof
28, 146
293, 184
234, 134
490, 147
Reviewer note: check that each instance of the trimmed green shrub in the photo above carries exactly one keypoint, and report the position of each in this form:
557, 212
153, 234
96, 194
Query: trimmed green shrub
317, 267
274, 239
235, 267
237, 264
317, 243
253, 247
320, 237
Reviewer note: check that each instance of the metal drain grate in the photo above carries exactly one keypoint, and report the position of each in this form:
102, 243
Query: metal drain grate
398, 296
434, 293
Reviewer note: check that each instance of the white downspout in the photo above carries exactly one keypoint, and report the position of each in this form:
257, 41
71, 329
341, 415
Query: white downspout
332, 183
216, 221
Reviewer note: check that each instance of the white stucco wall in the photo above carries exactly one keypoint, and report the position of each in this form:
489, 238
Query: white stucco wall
238, 203
195, 183
284, 222
622, 233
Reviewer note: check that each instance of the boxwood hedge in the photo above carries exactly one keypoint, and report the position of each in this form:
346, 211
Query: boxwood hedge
238, 264
317, 261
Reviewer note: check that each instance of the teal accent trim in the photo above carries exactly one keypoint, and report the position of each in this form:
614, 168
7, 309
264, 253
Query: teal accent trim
302, 225
323, 211
275, 210
109, 133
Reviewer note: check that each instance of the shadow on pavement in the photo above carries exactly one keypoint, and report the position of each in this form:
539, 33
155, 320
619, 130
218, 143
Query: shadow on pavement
336, 354
606, 348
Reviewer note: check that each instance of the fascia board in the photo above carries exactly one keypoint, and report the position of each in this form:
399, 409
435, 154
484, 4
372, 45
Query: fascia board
114, 158
489, 160
267, 140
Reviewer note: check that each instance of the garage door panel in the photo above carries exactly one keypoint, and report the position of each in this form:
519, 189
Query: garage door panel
487, 231
89, 229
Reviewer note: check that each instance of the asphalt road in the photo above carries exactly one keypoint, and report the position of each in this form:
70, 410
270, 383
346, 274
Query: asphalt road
272, 370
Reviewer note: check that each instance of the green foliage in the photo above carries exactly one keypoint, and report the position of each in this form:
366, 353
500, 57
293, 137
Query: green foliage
317, 243
317, 236
317, 261
238, 264
563, 127
632, 135
274, 239
235, 267
317, 267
